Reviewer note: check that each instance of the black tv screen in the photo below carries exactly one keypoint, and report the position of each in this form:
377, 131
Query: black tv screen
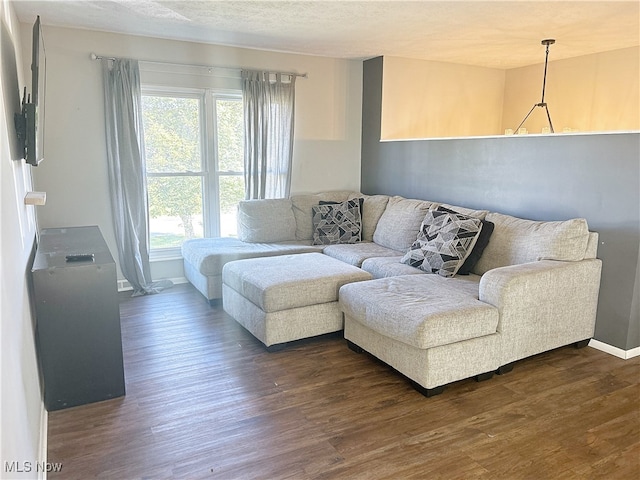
30, 124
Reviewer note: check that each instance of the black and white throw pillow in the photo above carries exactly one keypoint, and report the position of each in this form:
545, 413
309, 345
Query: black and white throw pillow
444, 242
337, 223
478, 248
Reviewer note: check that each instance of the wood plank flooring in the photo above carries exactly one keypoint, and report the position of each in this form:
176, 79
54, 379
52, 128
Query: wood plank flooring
206, 401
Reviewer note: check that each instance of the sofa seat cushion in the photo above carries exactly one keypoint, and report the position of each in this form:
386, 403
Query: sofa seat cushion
209, 255
290, 281
355, 254
381, 267
423, 311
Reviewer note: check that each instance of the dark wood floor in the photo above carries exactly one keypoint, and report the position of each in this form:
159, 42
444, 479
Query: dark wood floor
205, 400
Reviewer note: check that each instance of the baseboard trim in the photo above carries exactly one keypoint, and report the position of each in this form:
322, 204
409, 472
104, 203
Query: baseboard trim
42, 447
615, 351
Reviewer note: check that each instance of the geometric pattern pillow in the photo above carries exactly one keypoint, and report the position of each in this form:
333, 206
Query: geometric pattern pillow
444, 242
337, 223
478, 248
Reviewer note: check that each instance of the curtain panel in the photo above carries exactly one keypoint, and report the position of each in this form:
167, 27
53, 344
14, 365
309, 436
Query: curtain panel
269, 104
125, 155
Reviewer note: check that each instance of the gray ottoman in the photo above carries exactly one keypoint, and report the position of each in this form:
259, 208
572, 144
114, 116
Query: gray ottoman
288, 297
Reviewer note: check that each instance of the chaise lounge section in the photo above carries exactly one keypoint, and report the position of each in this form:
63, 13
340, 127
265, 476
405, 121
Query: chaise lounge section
266, 228
519, 302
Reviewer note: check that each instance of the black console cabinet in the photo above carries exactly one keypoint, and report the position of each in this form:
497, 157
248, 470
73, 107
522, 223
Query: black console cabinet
77, 317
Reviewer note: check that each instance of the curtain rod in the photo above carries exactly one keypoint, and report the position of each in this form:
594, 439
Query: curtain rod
93, 56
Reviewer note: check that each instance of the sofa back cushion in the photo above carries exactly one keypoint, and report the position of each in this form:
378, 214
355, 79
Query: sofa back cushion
265, 221
592, 246
303, 213
399, 225
373, 207
516, 240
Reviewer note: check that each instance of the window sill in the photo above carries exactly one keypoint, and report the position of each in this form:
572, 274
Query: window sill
165, 254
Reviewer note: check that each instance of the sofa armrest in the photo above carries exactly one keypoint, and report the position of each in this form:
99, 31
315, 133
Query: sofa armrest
543, 305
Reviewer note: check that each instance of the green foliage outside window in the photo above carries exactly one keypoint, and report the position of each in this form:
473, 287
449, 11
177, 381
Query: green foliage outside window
175, 169
172, 134
172, 145
230, 137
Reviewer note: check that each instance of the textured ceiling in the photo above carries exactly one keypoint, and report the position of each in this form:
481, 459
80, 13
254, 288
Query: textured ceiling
500, 34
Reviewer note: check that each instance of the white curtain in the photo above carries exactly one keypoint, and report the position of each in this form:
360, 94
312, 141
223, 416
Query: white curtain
269, 104
125, 154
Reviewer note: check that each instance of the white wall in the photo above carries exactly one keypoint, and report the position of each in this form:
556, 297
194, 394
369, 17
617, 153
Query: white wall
74, 172
22, 417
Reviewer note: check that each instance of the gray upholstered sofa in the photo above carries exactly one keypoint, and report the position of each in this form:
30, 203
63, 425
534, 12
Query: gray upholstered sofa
534, 287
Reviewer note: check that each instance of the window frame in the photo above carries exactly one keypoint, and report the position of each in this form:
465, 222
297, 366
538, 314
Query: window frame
216, 94
209, 163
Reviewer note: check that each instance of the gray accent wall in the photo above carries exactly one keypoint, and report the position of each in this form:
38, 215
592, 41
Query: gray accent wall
552, 177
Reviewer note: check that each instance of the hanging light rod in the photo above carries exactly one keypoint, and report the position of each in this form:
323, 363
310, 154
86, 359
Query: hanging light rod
93, 56
547, 42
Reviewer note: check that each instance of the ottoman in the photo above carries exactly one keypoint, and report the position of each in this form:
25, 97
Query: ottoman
288, 297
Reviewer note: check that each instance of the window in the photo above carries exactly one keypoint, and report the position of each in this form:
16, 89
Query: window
194, 151
230, 154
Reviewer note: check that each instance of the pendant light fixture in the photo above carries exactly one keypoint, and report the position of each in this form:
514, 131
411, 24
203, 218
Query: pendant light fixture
547, 42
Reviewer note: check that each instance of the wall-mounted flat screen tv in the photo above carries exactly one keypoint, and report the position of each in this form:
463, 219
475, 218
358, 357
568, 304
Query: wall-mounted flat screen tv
30, 123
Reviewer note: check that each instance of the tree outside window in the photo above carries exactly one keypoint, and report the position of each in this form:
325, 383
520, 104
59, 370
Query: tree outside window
192, 186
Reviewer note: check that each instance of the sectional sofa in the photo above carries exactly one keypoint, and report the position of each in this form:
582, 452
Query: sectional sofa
449, 292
